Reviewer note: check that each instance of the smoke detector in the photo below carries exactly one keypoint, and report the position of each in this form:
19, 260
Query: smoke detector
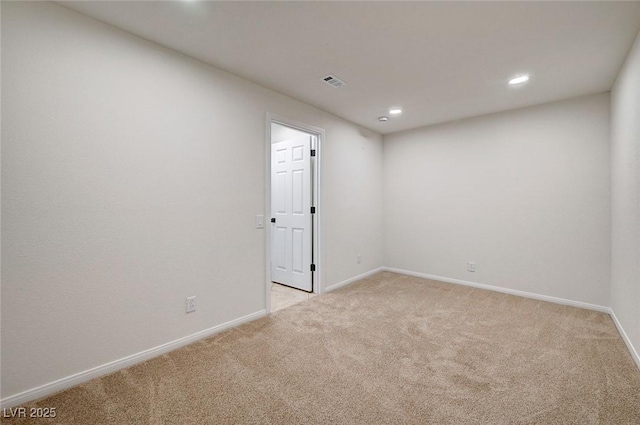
383, 119
333, 81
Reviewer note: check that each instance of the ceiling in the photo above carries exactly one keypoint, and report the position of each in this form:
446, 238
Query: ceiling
438, 61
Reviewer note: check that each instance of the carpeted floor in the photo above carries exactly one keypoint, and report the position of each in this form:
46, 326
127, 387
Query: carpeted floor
390, 349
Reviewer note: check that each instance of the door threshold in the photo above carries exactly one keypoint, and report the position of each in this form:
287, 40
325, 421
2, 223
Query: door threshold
293, 287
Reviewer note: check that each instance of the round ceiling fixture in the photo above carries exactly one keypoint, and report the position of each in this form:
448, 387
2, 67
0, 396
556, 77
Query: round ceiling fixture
395, 111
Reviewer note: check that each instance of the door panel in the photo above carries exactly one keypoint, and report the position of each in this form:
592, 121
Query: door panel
281, 192
297, 247
297, 153
280, 252
281, 156
298, 192
290, 204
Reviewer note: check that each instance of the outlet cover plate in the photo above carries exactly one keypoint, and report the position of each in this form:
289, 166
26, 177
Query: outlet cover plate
191, 304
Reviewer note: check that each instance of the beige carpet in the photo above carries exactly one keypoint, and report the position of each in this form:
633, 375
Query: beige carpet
390, 349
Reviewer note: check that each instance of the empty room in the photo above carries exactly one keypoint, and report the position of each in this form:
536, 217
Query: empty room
320, 212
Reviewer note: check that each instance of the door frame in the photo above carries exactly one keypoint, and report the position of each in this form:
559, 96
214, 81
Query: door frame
318, 234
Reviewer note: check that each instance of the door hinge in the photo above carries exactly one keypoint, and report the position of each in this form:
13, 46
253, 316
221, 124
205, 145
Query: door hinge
313, 210
313, 267
313, 152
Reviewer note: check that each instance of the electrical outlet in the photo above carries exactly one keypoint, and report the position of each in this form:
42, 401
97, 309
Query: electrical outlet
471, 266
191, 304
359, 258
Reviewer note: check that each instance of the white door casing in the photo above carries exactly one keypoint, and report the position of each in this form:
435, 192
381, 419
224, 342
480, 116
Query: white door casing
291, 193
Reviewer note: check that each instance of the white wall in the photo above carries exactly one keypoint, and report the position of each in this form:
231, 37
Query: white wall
131, 177
525, 194
625, 196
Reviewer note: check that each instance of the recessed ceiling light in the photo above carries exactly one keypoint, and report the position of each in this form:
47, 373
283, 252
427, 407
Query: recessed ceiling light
383, 119
518, 80
395, 111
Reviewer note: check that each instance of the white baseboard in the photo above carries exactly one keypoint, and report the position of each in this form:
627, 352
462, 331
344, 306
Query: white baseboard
353, 279
625, 338
87, 375
524, 294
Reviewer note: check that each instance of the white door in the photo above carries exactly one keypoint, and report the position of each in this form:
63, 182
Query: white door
291, 212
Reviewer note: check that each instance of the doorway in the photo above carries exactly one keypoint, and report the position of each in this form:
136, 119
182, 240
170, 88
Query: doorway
294, 210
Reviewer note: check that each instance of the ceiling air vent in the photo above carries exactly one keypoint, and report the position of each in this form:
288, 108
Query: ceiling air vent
333, 81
